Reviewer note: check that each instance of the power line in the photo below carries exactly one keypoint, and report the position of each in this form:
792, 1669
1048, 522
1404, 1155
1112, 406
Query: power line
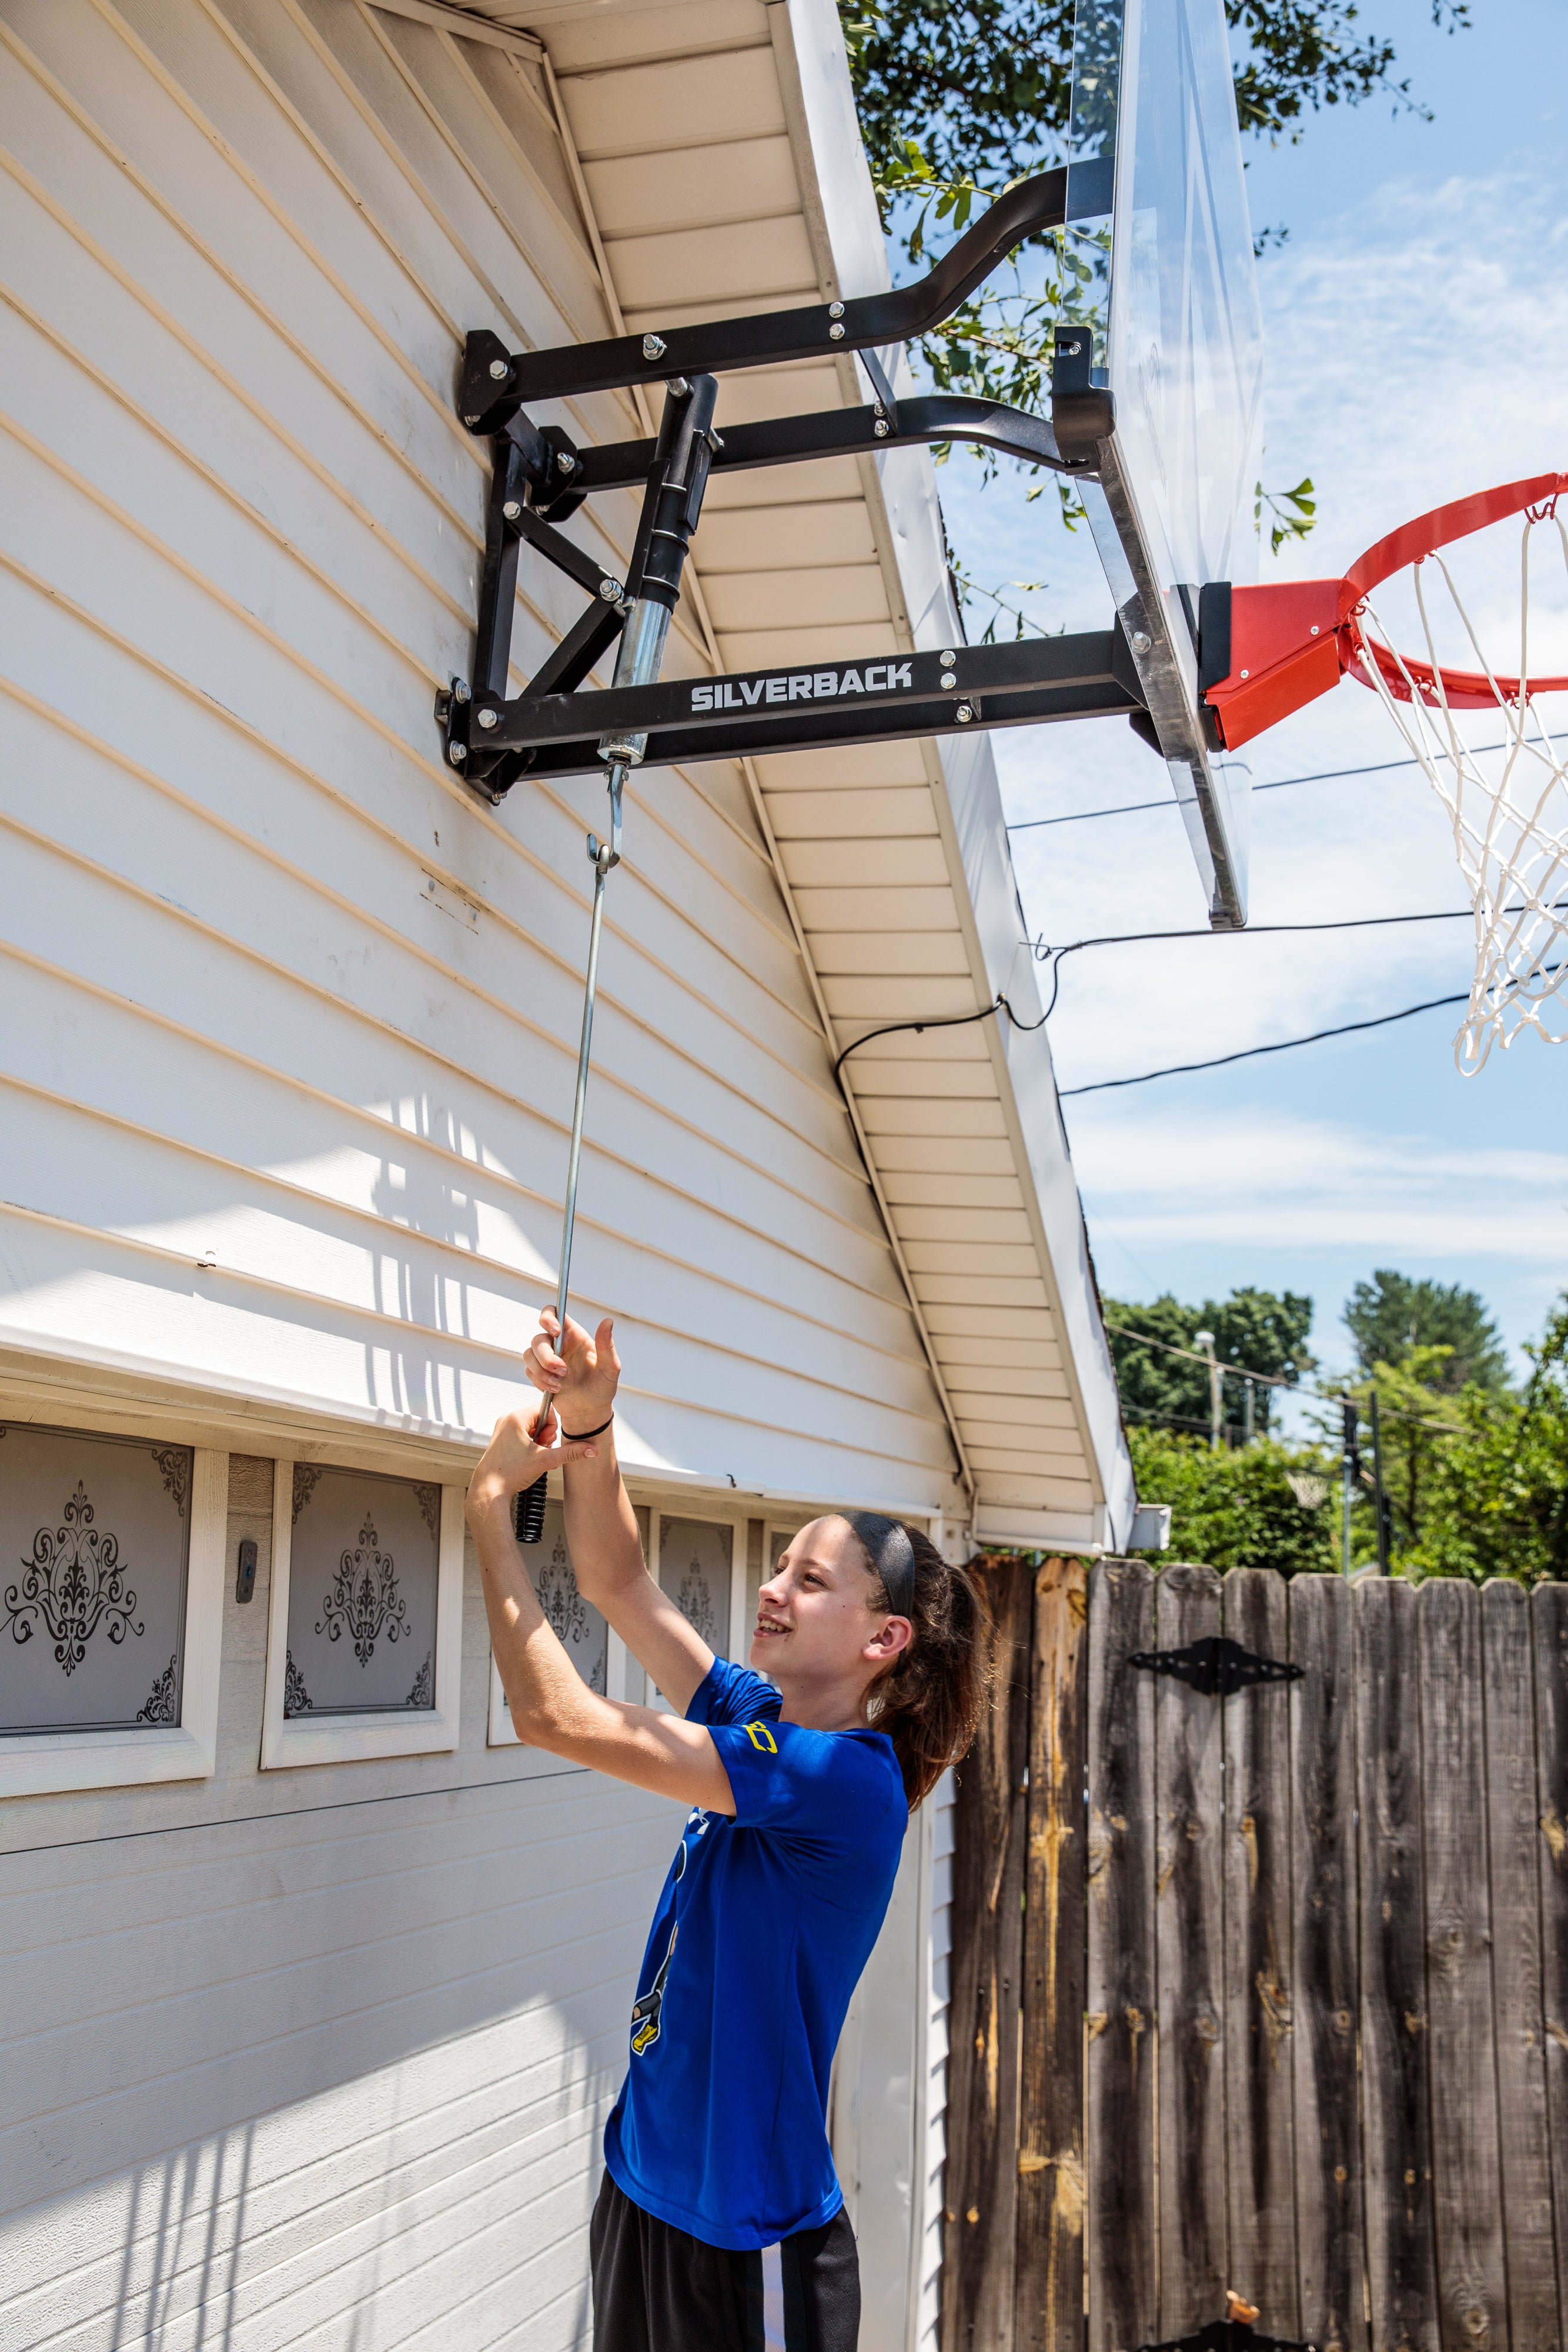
1279, 784
1285, 1045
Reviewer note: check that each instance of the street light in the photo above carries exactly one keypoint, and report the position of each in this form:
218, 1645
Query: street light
1205, 1340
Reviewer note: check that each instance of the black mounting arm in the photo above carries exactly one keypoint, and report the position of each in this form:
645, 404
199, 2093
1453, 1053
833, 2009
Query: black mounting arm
496, 382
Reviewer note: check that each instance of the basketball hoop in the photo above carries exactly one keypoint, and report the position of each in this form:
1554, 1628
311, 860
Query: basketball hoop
1507, 803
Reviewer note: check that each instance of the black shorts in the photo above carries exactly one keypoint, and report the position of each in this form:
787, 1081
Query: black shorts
657, 2289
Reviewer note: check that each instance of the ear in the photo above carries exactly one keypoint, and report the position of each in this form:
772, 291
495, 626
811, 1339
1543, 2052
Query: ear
892, 1636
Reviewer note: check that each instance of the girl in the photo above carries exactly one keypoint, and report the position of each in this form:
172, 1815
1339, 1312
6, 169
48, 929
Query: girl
720, 2226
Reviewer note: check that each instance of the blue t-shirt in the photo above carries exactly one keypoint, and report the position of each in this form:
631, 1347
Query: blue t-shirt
762, 1929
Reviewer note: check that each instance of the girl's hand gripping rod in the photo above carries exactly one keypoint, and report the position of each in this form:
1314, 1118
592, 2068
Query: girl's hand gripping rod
671, 505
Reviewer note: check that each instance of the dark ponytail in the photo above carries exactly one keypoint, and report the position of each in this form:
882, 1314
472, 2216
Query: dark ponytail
931, 1701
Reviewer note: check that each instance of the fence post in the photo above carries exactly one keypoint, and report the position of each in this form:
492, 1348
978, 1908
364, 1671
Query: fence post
980, 2198
1049, 2278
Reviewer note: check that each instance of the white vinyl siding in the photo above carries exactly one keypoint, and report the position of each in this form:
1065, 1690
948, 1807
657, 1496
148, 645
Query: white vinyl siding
291, 995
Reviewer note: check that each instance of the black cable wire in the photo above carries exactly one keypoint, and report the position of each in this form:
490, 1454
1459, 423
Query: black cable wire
941, 1021
1279, 784
1248, 1053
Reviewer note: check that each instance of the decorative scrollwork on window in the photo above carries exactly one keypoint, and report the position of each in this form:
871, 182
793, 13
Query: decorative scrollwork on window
307, 1478
295, 1698
566, 1612
695, 1601
175, 1462
162, 1698
429, 1501
364, 1601
75, 1582
423, 1691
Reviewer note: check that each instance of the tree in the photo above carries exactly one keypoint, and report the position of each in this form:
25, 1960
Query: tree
1391, 1317
983, 88
1260, 1330
1497, 1496
1240, 1509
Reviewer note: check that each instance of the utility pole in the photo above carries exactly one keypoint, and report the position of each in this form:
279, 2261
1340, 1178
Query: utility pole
1384, 1513
1205, 1340
1350, 1466
1246, 1412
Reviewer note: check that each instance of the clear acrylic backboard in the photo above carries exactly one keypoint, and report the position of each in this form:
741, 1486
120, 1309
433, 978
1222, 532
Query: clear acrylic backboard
1169, 292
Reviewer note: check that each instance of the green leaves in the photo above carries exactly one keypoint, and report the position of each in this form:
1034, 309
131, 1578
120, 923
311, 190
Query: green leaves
1293, 513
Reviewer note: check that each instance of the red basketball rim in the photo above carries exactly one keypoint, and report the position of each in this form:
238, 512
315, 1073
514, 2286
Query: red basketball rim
1462, 690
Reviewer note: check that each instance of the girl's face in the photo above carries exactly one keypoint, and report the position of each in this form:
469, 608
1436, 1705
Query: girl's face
816, 1622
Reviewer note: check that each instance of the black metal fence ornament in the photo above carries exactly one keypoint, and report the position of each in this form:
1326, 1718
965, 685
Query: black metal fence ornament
1218, 1666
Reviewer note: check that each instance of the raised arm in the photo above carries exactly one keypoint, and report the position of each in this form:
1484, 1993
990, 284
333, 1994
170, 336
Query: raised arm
581, 1379
552, 1706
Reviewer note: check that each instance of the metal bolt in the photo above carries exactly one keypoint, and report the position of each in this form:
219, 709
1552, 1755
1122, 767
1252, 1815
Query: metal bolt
565, 461
966, 712
1073, 350
835, 309
486, 717
948, 679
880, 429
458, 753
947, 660
653, 347
611, 590
1245, 673
1141, 641
1314, 629
470, 421
512, 510
460, 691
500, 370
836, 334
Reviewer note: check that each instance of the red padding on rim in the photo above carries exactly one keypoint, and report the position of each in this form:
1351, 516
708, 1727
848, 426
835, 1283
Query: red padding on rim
1284, 652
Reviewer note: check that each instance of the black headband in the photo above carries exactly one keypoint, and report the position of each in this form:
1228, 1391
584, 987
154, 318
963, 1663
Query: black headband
892, 1555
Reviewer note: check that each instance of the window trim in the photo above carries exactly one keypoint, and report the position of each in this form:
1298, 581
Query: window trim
397, 1731
50, 1763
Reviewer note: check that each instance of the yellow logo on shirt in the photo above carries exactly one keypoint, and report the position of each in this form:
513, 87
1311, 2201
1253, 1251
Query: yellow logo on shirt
762, 1738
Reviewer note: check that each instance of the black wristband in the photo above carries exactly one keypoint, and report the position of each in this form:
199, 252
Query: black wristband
580, 1436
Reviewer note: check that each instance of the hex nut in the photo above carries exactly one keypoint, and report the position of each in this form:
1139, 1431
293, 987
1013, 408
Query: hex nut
966, 712
835, 309
611, 590
458, 753
566, 462
500, 370
653, 347
486, 717
512, 510
1141, 641
880, 429
836, 333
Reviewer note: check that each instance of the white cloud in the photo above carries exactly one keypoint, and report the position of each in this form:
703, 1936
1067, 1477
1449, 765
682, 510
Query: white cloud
1316, 1184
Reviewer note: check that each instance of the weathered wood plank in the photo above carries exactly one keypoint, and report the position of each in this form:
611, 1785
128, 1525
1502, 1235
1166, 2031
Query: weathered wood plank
1512, 1839
1259, 2107
1189, 1931
1324, 1943
1047, 2298
1123, 2309
1549, 1642
1402, 2281
1466, 2178
980, 2206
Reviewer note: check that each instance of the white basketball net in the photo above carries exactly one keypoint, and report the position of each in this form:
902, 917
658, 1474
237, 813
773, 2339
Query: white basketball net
1509, 808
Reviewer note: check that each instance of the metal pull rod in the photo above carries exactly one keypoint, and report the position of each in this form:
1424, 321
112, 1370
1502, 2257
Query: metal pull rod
530, 1504
671, 505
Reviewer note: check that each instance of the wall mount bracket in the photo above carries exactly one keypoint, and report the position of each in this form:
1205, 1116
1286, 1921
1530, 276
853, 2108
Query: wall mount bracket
541, 476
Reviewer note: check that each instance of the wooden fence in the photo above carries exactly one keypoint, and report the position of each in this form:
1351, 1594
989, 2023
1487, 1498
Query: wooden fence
1267, 1991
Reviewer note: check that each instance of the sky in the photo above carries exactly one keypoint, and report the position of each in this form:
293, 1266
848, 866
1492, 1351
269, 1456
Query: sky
1416, 320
